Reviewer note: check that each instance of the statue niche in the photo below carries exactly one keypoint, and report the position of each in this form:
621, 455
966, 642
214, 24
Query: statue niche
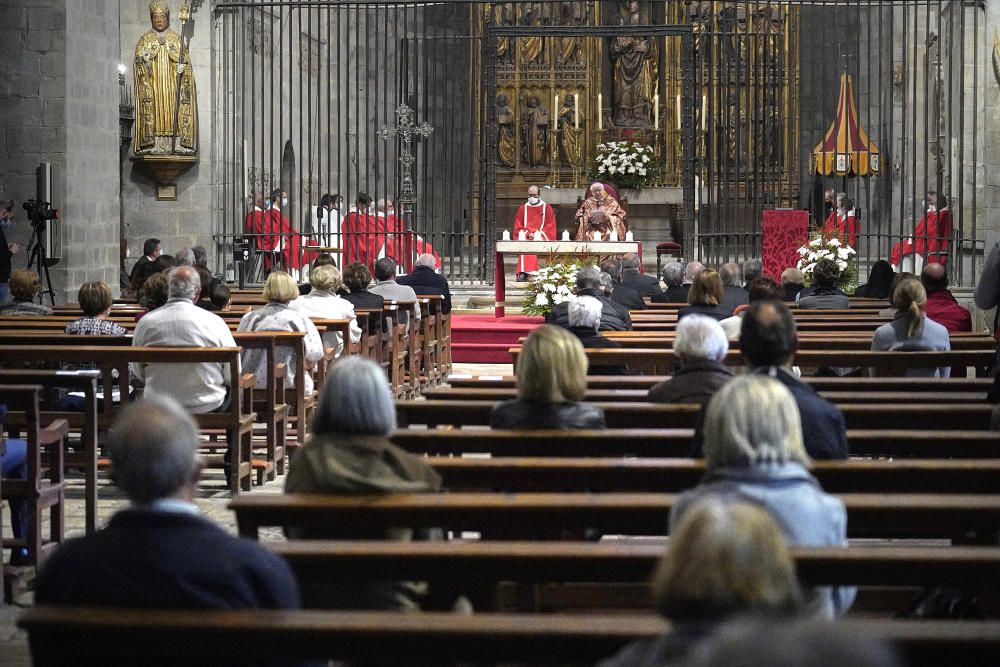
506, 151
535, 132
166, 115
634, 64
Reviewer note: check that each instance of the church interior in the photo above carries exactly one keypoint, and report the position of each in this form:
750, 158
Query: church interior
583, 332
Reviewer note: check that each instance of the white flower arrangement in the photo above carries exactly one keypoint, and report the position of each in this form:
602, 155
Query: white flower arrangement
822, 246
627, 164
550, 285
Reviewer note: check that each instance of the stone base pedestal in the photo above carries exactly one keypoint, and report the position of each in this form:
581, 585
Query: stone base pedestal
165, 170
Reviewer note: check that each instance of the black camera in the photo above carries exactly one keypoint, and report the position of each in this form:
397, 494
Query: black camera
40, 212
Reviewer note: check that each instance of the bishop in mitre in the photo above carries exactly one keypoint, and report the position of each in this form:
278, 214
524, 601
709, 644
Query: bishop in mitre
599, 215
165, 100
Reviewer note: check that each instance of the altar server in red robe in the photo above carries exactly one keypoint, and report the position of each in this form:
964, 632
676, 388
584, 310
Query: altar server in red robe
843, 221
253, 224
279, 233
538, 222
359, 231
930, 238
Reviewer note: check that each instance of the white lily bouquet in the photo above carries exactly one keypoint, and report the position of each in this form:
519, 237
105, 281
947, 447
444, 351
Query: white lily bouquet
823, 246
626, 164
550, 285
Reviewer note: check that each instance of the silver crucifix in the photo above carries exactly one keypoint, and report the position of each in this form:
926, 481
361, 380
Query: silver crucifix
406, 130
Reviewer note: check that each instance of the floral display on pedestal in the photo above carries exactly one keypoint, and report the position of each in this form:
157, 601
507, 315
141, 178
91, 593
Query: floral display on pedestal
826, 246
550, 285
626, 164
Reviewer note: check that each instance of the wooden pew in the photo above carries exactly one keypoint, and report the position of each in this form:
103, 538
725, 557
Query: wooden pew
897, 444
530, 515
806, 343
653, 415
237, 422
64, 635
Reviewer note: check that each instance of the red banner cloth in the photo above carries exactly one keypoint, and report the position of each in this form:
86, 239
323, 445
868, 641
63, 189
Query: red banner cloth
784, 232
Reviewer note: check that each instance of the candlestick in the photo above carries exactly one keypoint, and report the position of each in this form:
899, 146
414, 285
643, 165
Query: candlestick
506, 235
565, 236
600, 112
656, 111
556, 107
678, 112
522, 235
629, 236
614, 235
576, 111
704, 112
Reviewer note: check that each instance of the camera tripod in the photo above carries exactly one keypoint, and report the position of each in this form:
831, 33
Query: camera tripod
37, 255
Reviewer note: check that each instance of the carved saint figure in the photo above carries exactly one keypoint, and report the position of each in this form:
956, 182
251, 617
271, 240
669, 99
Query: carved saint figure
570, 14
165, 96
530, 48
503, 15
634, 74
506, 150
535, 132
570, 138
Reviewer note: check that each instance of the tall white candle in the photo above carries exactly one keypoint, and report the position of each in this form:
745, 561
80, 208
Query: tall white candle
576, 111
656, 111
704, 112
600, 112
565, 236
556, 107
678, 112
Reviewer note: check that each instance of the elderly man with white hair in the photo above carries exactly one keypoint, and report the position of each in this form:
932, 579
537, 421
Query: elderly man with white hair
199, 387
701, 348
600, 214
425, 280
159, 552
584, 323
673, 278
733, 294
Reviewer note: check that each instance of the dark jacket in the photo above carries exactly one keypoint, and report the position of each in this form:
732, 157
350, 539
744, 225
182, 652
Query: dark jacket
365, 300
694, 382
614, 317
824, 298
824, 433
791, 291
518, 414
5, 255
671, 648
733, 296
675, 294
425, 281
594, 340
643, 283
718, 312
628, 297
138, 263
167, 560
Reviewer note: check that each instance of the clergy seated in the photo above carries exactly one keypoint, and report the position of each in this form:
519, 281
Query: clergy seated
159, 552
700, 348
551, 383
725, 559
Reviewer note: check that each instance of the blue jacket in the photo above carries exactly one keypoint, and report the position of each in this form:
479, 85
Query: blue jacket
807, 515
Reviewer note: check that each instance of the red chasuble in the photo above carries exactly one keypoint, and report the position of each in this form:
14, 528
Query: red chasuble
539, 224
279, 235
930, 237
844, 226
360, 232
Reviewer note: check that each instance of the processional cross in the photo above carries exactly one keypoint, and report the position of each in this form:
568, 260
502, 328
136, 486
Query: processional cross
406, 130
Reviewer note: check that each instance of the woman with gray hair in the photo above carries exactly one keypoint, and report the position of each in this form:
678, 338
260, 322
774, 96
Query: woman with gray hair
700, 348
584, 321
753, 451
349, 453
323, 302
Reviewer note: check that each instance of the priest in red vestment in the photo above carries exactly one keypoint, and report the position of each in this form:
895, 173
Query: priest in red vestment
253, 224
538, 222
360, 233
843, 221
278, 233
931, 237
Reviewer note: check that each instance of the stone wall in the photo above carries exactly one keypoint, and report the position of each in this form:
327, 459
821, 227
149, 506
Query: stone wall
58, 92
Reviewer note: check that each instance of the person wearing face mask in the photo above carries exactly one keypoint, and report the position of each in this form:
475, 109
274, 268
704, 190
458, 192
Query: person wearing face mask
538, 222
7, 249
843, 221
600, 200
326, 221
280, 235
930, 237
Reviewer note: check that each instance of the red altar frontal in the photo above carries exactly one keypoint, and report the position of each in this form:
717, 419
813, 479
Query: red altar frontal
783, 233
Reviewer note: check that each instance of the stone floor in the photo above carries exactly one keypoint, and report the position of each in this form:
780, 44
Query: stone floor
212, 501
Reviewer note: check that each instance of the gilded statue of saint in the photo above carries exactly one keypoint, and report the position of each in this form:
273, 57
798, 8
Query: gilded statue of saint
165, 100
535, 132
506, 150
570, 137
530, 48
634, 74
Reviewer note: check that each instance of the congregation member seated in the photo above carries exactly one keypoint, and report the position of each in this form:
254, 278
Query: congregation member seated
221, 297
792, 282
551, 383
323, 302
24, 287
159, 553
426, 281
207, 281
942, 307
673, 278
768, 341
763, 288
754, 451
645, 285
614, 317
724, 560
584, 323
733, 293
198, 387
753, 268
912, 329
95, 301
824, 294
349, 453
700, 348
14, 466
356, 278
322, 259
387, 287
705, 297
151, 249
620, 294
279, 290
879, 281
155, 293
185, 257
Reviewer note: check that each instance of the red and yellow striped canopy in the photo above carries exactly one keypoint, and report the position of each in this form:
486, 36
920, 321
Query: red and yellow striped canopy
846, 149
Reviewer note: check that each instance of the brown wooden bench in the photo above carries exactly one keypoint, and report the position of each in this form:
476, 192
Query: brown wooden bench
64, 635
533, 515
654, 415
889, 443
805, 343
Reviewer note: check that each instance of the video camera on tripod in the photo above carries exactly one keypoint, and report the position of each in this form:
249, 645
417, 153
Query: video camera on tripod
40, 212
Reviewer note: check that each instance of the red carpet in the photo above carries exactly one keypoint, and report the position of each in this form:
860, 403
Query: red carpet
484, 339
